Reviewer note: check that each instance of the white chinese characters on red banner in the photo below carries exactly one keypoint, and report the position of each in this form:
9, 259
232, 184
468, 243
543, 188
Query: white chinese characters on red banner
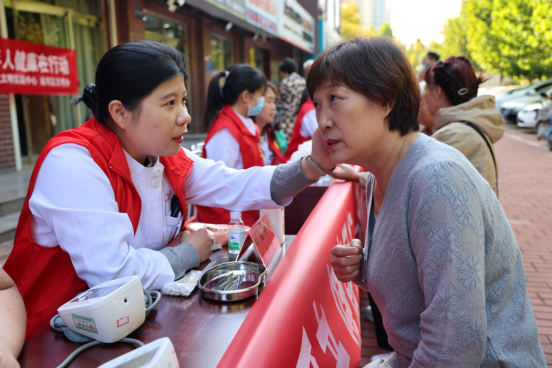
305, 317
30, 68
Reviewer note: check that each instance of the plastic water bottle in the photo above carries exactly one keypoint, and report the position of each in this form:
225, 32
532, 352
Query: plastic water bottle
236, 235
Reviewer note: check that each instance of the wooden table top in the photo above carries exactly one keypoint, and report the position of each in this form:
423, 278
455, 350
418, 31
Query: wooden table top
200, 329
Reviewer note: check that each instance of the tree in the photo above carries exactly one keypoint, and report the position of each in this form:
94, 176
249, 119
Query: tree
541, 38
510, 37
350, 20
351, 23
415, 54
455, 41
385, 30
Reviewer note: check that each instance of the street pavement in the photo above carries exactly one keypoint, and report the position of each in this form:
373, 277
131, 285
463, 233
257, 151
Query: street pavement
525, 192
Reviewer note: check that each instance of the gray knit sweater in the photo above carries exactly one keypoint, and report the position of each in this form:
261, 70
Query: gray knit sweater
445, 269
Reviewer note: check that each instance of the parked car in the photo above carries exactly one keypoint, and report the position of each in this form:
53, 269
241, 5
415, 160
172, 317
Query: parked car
531, 91
511, 109
530, 115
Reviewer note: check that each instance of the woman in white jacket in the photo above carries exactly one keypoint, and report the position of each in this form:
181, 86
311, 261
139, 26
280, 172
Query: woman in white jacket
106, 200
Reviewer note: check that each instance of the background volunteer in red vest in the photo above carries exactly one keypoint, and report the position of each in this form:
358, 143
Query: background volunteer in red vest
106, 200
305, 125
272, 153
233, 138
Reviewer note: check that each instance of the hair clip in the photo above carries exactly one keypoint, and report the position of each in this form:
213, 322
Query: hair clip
463, 91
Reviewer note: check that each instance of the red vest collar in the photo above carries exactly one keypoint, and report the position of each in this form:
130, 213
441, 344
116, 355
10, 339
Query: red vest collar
232, 115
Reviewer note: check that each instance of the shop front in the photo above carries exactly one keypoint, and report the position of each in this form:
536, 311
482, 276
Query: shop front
212, 34
76, 25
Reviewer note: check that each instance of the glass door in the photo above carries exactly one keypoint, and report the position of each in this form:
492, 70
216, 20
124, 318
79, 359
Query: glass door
36, 22
221, 52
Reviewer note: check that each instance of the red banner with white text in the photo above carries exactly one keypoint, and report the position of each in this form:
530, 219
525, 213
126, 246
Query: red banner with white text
305, 317
31, 69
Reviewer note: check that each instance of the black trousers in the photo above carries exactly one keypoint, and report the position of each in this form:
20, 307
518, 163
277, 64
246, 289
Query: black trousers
381, 335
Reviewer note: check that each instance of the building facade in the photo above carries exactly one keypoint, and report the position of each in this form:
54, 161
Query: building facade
213, 34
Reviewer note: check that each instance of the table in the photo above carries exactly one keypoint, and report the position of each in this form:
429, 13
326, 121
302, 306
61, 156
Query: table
210, 328
303, 315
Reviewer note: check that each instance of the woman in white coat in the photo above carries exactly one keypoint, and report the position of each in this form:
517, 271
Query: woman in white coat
106, 199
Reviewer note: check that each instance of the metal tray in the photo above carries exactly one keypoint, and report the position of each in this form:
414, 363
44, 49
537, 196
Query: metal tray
232, 281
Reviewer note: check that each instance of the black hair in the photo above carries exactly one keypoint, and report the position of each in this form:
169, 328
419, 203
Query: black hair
241, 77
433, 55
129, 73
288, 66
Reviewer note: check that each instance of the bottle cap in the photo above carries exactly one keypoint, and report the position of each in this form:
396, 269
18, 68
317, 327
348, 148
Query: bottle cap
234, 215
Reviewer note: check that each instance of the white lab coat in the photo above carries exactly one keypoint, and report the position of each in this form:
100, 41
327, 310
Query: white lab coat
309, 124
73, 205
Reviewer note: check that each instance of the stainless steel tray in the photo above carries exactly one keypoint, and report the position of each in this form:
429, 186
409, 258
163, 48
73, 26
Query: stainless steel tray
232, 281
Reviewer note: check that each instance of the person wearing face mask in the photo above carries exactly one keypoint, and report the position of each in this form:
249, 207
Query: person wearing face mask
233, 97
272, 154
106, 200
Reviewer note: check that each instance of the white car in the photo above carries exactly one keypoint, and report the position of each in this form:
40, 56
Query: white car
528, 116
536, 116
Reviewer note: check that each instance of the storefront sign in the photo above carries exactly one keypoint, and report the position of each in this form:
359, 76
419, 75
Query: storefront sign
263, 14
234, 7
305, 317
32, 69
296, 25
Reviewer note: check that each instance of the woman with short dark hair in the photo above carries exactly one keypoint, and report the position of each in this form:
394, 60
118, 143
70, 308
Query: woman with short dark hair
440, 259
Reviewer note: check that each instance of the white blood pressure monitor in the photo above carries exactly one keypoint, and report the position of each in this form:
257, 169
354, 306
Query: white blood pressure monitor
108, 312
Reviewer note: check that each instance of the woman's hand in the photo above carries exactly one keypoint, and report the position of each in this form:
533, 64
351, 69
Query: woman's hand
8, 360
345, 260
201, 241
346, 172
319, 152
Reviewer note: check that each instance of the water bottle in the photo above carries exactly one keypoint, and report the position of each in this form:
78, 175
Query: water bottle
236, 235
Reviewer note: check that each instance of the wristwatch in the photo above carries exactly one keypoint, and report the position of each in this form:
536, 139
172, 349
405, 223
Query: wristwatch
317, 168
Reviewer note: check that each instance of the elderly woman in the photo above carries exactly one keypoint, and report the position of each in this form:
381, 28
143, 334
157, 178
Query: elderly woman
440, 259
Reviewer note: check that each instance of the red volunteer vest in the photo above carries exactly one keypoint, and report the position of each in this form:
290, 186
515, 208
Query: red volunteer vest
251, 156
278, 156
45, 276
296, 138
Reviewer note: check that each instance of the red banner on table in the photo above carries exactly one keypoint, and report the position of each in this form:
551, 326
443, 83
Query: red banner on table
305, 317
31, 69
262, 237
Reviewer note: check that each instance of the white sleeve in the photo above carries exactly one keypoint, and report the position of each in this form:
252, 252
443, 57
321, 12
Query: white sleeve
214, 184
74, 197
224, 147
309, 124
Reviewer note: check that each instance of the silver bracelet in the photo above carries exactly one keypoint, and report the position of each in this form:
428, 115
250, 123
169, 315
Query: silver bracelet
317, 168
302, 173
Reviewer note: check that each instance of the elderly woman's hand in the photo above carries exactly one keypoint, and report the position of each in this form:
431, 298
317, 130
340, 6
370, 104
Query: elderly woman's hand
345, 260
319, 152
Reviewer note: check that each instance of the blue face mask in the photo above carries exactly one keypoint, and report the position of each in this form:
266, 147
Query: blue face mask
254, 111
